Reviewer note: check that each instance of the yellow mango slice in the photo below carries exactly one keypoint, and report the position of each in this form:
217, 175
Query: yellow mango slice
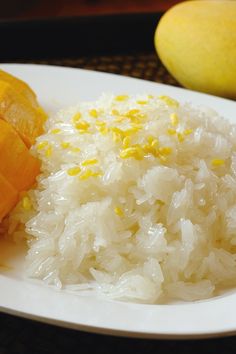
8, 197
17, 165
18, 111
20, 86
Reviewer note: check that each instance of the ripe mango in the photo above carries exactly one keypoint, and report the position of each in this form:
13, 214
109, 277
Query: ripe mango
196, 41
17, 110
8, 196
17, 164
20, 86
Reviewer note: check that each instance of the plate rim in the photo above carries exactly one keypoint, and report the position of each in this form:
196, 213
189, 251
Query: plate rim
100, 329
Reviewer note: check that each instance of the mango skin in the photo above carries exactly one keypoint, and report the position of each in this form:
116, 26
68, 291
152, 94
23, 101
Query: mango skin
196, 41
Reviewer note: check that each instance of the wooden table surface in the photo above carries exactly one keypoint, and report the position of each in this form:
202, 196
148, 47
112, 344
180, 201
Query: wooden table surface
32, 9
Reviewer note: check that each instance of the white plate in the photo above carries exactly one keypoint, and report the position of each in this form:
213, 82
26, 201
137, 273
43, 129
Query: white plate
57, 87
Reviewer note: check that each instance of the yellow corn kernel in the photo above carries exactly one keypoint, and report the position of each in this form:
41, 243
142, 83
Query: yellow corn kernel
165, 150
76, 117
115, 112
26, 203
42, 145
55, 131
88, 173
103, 130
75, 149
134, 129
100, 123
148, 149
116, 137
217, 162
118, 131
82, 126
121, 98
171, 131
150, 139
89, 162
48, 152
150, 96
188, 131
135, 152
132, 112
142, 102
136, 119
93, 113
118, 211
155, 143
65, 145
74, 171
126, 142
169, 101
174, 119
180, 137
120, 119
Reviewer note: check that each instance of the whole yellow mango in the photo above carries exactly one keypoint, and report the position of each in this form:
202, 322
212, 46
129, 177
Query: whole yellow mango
196, 41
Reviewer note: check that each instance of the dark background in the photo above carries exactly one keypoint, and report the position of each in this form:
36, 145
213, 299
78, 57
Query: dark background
18, 336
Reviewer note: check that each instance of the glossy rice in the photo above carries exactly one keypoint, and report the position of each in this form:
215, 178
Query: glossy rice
136, 199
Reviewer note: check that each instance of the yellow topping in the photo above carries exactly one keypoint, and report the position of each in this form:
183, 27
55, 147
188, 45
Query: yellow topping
165, 150
180, 137
101, 127
74, 171
76, 118
188, 131
26, 203
155, 143
55, 131
119, 119
116, 137
88, 173
171, 131
174, 119
48, 152
42, 145
169, 101
114, 112
149, 149
217, 162
75, 149
135, 152
100, 124
93, 113
150, 96
126, 142
118, 211
82, 126
150, 139
103, 130
121, 98
132, 112
65, 145
117, 131
142, 102
89, 162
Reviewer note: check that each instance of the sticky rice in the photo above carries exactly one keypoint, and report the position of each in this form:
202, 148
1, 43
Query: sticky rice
136, 198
